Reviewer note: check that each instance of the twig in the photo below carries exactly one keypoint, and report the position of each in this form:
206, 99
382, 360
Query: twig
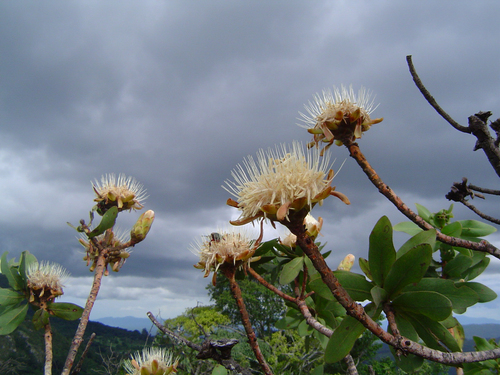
229, 271
209, 349
386, 191
78, 366
484, 190
479, 213
431, 99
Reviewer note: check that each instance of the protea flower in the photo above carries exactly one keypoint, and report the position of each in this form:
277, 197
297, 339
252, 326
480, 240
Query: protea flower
281, 181
151, 361
339, 116
45, 280
125, 193
233, 248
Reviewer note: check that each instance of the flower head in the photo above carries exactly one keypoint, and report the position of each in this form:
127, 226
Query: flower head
45, 279
339, 116
125, 193
231, 247
282, 180
110, 239
151, 361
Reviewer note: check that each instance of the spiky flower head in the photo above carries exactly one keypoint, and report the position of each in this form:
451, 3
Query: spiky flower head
230, 247
282, 180
339, 115
125, 193
114, 239
151, 361
45, 280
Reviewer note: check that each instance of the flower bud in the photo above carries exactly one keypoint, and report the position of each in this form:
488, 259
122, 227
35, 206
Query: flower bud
142, 226
346, 263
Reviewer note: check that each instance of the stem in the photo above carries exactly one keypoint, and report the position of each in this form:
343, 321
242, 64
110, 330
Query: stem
77, 340
48, 349
386, 191
229, 270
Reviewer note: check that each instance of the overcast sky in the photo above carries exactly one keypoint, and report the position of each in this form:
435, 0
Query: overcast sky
177, 93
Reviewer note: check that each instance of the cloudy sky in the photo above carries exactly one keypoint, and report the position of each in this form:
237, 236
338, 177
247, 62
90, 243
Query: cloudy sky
177, 93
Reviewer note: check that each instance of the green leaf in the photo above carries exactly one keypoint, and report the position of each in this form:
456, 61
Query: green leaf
473, 228
319, 370
381, 253
409, 363
11, 319
431, 304
408, 227
10, 272
455, 267
426, 236
304, 329
8, 297
40, 319
409, 268
460, 295
423, 212
453, 229
475, 270
379, 295
365, 267
25, 261
482, 344
356, 285
485, 294
320, 288
219, 370
66, 311
434, 334
343, 339
291, 270
107, 222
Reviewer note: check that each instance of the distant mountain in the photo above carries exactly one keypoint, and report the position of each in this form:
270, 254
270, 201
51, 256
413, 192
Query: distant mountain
131, 323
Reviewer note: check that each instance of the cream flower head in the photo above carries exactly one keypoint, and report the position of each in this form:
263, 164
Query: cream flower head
46, 279
154, 361
339, 115
125, 193
282, 180
231, 247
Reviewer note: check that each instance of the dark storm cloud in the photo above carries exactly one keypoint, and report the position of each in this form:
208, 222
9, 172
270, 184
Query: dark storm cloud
178, 93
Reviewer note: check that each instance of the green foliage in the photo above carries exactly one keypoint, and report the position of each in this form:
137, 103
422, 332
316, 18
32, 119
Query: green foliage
189, 323
12, 307
255, 296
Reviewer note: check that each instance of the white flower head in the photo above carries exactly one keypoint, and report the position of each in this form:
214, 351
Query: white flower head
46, 277
232, 247
281, 180
157, 361
339, 115
125, 193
